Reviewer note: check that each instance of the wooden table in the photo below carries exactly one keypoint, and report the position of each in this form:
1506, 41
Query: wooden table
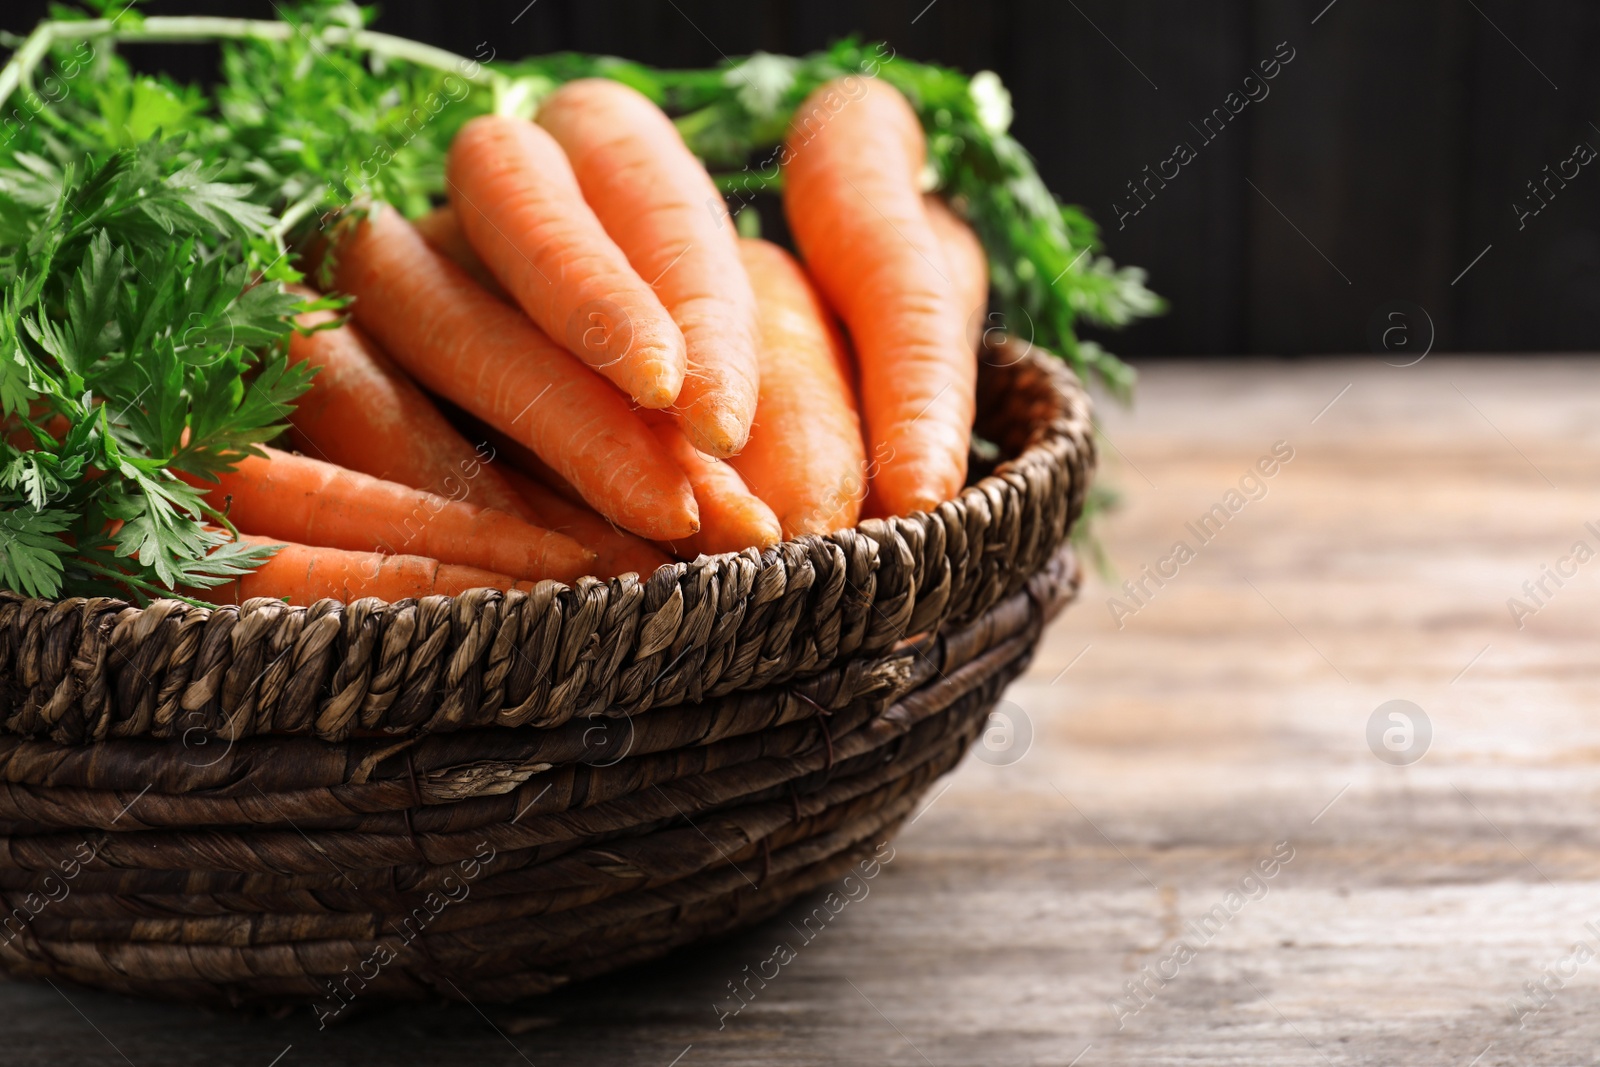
1224, 725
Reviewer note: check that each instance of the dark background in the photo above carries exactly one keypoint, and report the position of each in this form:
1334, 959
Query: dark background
1387, 156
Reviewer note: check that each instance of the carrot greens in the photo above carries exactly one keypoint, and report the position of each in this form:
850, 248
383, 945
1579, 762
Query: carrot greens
148, 230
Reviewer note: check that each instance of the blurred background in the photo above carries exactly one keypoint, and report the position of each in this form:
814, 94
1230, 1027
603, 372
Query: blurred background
1432, 152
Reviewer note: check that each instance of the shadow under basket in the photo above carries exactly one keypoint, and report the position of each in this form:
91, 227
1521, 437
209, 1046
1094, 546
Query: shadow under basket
487, 796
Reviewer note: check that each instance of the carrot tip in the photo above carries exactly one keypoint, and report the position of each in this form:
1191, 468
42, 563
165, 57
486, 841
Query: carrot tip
658, 396
720, 436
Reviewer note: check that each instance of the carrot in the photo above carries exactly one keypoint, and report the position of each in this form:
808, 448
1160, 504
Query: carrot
517, 458
805, 457
731, 516
660, 206
561, 508
519, 205
474, 350
969, 264
442, 229
364, 414
303, 575
299, 498
853, 157
616, 551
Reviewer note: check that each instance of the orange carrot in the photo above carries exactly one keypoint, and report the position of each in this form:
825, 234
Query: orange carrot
302, 499
518, 457
559, 507
519, 205
616, 551
442, 229
731, 517
805, 457
304, 574
854, 155
364, 414
661, 207
487, 357
969, 264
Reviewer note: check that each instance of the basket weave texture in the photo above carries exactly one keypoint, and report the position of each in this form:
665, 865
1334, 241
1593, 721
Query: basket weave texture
487, 796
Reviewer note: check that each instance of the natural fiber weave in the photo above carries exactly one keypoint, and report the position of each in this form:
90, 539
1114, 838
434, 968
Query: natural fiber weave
253, 804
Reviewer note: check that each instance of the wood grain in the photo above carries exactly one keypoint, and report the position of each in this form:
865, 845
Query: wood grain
1167, 761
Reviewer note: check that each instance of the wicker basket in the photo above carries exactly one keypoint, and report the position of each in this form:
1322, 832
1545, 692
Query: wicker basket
487, 796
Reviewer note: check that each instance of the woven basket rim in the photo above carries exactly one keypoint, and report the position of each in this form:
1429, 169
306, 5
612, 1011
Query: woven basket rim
967, 492
83, 669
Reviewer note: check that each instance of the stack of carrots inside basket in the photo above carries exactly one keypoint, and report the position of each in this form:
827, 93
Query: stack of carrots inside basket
578, 367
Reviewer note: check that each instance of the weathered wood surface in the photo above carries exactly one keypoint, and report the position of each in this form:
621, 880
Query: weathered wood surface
1229, 714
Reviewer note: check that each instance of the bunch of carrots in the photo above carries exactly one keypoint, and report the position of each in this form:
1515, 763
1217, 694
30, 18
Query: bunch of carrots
642, 382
